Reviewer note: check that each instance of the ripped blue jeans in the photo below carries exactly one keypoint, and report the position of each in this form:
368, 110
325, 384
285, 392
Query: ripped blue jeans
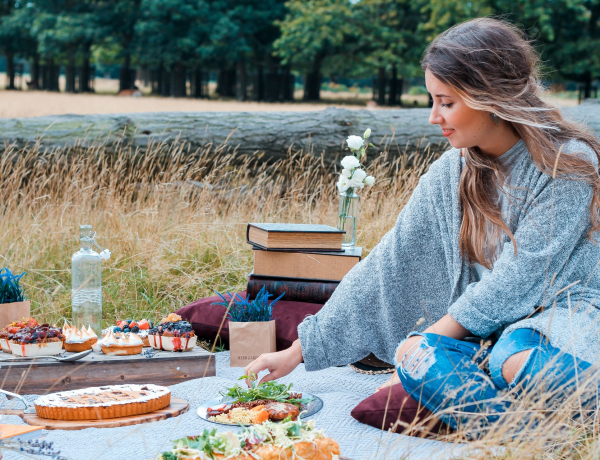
444, 373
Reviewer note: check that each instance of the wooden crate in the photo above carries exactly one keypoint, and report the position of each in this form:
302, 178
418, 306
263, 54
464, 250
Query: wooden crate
46, 375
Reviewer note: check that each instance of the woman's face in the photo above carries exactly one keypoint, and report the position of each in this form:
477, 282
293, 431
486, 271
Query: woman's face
463, 126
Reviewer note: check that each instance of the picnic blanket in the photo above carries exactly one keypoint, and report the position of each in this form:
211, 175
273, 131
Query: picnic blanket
340, 388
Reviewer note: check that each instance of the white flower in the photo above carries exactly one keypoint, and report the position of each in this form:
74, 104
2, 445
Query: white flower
350, 161
369, 180
354, 142
346, 173
367, 133
357, 179
359, 175
343, 184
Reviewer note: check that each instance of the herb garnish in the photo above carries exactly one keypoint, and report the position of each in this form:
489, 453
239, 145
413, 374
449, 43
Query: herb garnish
272, 390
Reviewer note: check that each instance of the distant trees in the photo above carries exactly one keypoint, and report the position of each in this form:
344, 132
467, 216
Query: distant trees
255, 47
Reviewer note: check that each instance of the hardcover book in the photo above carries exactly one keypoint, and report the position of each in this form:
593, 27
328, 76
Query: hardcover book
312, 237
309, 290
326, 266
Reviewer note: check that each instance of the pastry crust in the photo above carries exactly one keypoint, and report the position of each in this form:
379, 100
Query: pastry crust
122, 350
81, 346
102, 403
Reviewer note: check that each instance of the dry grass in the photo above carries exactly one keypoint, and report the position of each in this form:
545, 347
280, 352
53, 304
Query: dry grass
175, 223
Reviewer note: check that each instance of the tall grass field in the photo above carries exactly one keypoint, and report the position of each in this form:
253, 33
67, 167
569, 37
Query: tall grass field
175, 220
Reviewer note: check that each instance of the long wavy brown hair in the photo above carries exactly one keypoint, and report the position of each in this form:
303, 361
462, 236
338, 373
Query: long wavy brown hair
494, 67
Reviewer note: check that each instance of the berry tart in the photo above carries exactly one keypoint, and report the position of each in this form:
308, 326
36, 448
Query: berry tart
44, 340
14, 327
173, 334
127, 344
139, 328
78, 340
100, 403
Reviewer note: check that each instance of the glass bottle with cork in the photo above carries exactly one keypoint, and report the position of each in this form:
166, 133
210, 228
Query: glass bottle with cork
86, 272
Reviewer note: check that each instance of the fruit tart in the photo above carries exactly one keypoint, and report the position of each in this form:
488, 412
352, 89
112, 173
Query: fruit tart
172, 334
129, 344
78, 340
13, 328
139, 328
44, 340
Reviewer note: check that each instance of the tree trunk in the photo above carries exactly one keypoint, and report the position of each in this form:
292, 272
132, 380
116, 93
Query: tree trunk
34, 73
84, 73
241, 83
166, 83
381, 86
320, 131
393, 92
125, 75
288, 83
312, 81
197, 84
70, 73
53, 76
10, 71
259, 85
179, 81
226, 82
587, 90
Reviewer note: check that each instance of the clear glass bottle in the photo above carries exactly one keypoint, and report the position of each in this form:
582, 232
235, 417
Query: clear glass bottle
348, 216
86, 289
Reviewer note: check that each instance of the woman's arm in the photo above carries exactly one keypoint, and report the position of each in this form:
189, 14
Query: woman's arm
449, 327
278, 364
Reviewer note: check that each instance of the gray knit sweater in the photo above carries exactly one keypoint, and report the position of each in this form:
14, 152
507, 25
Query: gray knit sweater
416, 274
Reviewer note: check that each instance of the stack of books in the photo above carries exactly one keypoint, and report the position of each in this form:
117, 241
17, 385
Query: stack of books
306, 261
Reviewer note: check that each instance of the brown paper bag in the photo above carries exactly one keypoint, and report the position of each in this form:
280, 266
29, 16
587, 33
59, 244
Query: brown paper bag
14, 311
247, 341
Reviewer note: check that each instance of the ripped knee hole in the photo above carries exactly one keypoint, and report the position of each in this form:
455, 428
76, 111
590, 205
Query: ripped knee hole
418, 359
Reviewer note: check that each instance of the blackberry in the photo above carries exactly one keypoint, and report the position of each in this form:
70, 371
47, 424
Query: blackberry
135, 329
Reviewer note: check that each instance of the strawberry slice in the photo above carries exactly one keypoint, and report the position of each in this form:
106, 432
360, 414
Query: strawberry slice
143, 324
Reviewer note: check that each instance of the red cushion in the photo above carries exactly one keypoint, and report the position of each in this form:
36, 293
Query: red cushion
206, 318
376, 411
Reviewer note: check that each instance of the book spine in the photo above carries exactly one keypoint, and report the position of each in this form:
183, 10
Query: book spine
299, 291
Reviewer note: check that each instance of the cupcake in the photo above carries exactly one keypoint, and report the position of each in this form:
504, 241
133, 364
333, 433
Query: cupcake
78, 340
172, 334
129, 344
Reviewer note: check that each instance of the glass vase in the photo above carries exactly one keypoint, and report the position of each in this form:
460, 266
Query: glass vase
347, 217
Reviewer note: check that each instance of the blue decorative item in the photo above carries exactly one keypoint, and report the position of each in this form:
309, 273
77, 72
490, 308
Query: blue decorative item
246, 311
10, 289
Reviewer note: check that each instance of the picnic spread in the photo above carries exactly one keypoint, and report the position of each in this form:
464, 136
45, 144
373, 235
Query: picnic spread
340, 388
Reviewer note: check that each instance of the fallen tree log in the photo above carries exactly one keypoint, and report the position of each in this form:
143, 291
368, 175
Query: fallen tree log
273, 133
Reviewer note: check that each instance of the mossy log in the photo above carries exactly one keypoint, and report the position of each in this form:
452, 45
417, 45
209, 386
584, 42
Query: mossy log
273, 133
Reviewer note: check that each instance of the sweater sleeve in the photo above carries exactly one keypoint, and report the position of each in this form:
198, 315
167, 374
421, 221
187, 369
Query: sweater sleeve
550, 227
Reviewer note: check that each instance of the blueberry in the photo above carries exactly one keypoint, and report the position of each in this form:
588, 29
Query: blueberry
135, 329
117, 329
128, 320
126, 329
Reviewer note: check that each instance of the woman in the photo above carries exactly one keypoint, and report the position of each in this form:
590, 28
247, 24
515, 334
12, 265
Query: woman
496, 242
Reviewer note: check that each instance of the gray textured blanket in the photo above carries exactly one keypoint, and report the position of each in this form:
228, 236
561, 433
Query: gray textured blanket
340, 388
416, 275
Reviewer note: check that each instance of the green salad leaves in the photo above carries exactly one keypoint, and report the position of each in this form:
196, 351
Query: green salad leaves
272, 390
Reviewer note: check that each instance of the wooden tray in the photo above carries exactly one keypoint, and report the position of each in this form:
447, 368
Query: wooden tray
44, 375
177, 407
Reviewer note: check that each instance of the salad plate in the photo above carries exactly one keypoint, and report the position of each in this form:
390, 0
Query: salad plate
314, 405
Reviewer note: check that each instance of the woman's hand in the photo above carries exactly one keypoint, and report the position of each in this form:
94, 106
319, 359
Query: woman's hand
394, 379
278, 364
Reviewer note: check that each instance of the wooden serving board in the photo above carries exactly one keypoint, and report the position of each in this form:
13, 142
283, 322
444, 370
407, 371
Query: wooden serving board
45, 375
177, 407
